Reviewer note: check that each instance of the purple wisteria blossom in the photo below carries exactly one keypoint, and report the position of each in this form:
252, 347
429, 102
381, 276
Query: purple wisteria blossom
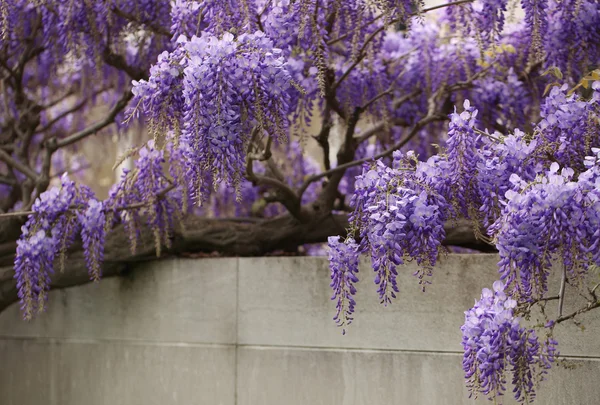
214, 91
495, 344
46, 236
93, 233
147, 195
398, 218
343, 259
498, 162
463, 160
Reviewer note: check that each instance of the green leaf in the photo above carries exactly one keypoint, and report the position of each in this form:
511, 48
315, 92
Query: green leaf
554, 71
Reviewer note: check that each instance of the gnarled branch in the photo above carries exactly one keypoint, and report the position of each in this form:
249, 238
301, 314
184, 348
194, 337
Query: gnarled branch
229, 237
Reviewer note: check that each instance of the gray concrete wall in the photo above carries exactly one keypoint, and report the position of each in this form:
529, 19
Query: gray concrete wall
260, 331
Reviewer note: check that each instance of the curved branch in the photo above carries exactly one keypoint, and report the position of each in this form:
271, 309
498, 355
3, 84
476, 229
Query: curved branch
431, 116
75, 108
157, 29
110, 118
229, 237
591, 305
342, 168
119, 62
23, 168
425, 10
286, 195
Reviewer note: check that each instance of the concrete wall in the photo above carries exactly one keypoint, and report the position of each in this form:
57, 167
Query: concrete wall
259, 331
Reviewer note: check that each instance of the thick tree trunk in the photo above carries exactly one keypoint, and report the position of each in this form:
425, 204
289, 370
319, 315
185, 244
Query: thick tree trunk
228, 237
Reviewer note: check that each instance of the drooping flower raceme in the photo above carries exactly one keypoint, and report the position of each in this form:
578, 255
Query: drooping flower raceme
546, 219
463, 159
147, 195
191, 17
536, 20
46, 236
93, 232
498, 162
160, 98
225, 87
399, 217
495, 344
568, 127
343, 263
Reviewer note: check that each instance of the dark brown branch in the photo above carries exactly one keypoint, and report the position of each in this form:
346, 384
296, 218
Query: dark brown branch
377, 128
359, 59
71, 110
59, 100
229, 237
157, 29
118, 61
561, 293
285, 194
431, 116
425, 10
62, 115
23, 168
372, 101
16, 214
110, 118
9, 181
342, 168
323, 137
273, 167
346, 153
591, 305
381, 125
8, 69
328, 195
455, 3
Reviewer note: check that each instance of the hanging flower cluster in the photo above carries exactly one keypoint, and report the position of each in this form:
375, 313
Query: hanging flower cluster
190, 17
536, 20
514, 155
59, 215
343, 263
568, 128
224, 87
399, 217
463, 159
495, 344
542, 220
147, 195
570, 44
93, 233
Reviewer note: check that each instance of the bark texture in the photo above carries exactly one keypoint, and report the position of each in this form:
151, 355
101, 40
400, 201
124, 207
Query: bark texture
228, 237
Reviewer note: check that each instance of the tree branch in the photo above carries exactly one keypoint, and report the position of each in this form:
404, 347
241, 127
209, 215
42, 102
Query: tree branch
157, 29
118, 61
71, 110
23, 168
561, 293
286, 195
591, 305
381, 15
110, 118
429, 118
230, 237
342, 168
